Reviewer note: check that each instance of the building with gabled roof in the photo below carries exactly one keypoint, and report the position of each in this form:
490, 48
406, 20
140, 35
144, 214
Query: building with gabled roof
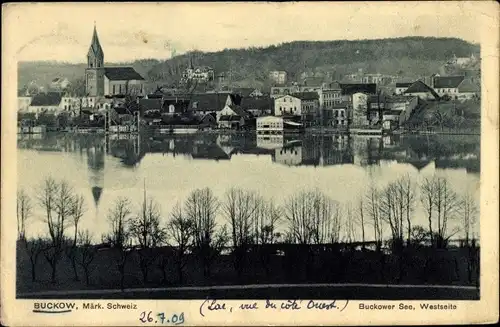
422, 90
102, 81
447, 84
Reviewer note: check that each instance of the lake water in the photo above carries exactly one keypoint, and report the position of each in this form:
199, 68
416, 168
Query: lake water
103, 168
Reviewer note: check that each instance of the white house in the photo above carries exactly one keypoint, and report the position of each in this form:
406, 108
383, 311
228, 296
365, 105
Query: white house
304, 104
447, 85
269, 125
287, 106
46, 103
231, 116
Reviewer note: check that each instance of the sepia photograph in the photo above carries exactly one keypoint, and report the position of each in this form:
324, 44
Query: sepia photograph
263, 151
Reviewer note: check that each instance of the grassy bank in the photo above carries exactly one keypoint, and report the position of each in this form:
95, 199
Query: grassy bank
422, 266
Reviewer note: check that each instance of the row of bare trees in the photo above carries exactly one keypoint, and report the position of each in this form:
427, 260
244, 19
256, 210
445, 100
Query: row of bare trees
193, 229
61, 209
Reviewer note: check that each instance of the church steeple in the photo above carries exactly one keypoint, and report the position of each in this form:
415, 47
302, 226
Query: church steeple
95, 56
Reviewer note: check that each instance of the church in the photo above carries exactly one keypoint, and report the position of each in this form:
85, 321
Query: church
109, 81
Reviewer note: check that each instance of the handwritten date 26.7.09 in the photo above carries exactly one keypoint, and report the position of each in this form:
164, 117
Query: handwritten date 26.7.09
161, 318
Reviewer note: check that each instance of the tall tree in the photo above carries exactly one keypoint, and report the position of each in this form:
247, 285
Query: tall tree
56, 198
238, 208
468, 212
146, 230
201, 209
179, 230
24, 211
119, 235
78, 210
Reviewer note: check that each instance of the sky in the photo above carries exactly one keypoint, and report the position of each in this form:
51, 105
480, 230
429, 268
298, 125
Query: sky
129, 31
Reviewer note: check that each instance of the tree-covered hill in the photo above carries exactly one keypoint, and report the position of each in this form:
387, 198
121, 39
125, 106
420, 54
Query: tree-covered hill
409, 56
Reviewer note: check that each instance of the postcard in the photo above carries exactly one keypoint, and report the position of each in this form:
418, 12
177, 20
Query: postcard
302, 163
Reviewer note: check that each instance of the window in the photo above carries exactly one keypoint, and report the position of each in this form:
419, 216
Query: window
114, 89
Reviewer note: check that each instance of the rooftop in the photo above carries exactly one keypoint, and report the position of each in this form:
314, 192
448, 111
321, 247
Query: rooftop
352, 88
306, 95
208, 102
47, 99
447, 81
421, 87
122, 74
468, 85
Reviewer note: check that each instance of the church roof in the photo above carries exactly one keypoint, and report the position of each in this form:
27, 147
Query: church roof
95, 45
122, 74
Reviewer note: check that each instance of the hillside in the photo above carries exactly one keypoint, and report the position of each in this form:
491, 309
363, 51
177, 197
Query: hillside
409, 56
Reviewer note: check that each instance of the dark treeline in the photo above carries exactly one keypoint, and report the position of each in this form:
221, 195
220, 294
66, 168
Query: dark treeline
410, 56
243, 237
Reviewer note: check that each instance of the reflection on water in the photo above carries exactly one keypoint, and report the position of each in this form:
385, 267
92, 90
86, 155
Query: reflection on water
274, 165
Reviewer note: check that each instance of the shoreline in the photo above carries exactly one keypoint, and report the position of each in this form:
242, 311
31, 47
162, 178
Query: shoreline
235, 132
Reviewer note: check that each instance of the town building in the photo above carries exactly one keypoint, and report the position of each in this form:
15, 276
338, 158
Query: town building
422, 91
395, 110
101, 80
349, 89
279, 91
336, 115
247, 92
462, 61
304, 105
402, 87
258, 106
377, 79
203, 103
49, 102
23, 102
201, 74
266, 125
59, 83
330, 95
278, 76
468, 90
232, 117
447, 85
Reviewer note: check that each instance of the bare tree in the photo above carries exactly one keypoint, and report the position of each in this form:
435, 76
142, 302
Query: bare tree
361, 218
313, 217
373, 202
392, 212
24, 211
408, 192
468, 212
119, 236
57, 201
446, 202
87, 252
34, 247
297, 210
427, 194
77, 213
147, 232
265, 222
179, 230
349, 230
201, 209
238, 208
